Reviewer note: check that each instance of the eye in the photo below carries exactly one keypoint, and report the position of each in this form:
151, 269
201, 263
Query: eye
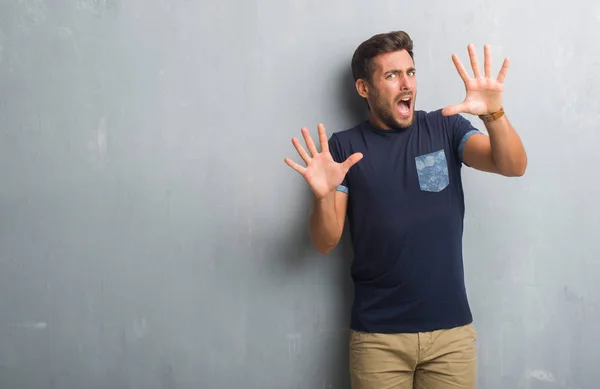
391, 75
411, 73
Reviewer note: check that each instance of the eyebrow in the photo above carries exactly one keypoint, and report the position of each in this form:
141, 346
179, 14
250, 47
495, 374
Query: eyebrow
411, 69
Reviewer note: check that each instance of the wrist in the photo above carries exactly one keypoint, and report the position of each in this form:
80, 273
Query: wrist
497, 126
493, 115
324, 199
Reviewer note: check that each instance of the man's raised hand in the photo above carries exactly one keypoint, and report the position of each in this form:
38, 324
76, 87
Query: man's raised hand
322, 173
484, 93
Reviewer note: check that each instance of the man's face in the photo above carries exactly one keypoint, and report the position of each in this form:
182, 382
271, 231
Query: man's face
392, 92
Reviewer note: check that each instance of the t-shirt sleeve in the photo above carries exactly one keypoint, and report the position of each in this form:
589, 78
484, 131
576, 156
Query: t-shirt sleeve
460, 131
338, 156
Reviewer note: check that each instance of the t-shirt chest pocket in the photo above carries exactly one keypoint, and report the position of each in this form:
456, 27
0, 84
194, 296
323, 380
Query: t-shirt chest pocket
432, 171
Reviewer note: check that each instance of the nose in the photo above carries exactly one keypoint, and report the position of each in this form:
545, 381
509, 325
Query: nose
404, 84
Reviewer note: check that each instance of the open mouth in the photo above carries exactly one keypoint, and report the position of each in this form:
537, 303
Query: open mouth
405, 105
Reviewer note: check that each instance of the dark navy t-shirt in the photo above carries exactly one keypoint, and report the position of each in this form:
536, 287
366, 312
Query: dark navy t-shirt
405, 213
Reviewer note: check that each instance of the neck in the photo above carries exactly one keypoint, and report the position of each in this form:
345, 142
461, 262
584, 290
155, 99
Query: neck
376, 122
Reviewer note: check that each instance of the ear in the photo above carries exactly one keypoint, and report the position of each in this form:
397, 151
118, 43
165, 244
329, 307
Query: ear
362, 88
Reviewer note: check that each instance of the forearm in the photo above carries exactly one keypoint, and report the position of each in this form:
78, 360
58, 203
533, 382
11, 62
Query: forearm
324, 227
507, 149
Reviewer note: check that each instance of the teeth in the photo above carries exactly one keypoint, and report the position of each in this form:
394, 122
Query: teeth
405, 99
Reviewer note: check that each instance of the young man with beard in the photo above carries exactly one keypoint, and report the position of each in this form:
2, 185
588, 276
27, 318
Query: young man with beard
397, 177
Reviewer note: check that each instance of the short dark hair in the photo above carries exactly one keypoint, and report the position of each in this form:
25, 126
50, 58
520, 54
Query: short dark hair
362, 60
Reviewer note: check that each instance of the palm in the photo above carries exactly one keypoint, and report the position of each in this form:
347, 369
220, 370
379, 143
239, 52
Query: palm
483, 93
322, 173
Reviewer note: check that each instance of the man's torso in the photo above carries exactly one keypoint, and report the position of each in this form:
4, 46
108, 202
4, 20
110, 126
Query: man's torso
406, 210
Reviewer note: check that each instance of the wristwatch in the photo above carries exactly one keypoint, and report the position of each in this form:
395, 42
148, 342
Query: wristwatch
492, 116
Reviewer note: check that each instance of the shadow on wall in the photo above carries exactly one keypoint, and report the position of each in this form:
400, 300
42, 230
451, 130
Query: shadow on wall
296, 253
295, 248
341, 377
353, 108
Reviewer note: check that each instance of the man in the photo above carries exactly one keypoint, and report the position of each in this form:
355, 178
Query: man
397, 177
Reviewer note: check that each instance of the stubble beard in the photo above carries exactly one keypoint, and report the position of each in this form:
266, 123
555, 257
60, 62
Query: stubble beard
386, 112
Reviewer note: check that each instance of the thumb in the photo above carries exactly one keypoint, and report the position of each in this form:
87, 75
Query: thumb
453, 110
354, 158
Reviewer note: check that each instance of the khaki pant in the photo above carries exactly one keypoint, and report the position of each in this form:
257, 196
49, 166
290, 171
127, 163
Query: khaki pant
425, 360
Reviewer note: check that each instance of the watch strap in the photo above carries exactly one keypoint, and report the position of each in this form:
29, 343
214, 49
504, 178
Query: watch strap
492, 116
